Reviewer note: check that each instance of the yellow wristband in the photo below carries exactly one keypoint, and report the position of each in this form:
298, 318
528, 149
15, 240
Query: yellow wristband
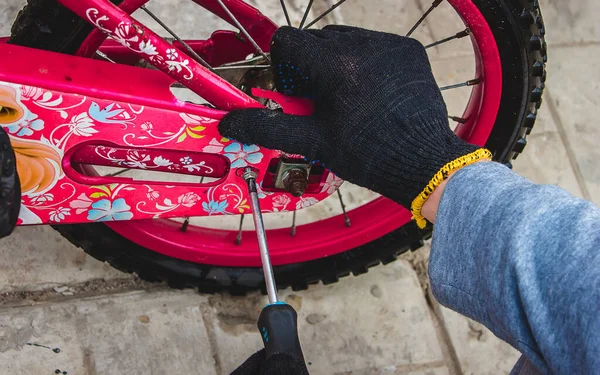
441, 175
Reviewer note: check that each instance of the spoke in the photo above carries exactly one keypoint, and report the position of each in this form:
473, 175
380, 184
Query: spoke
464, 84
420, 21
247, 61
293, 228
462, 34
187, 47
103, 56
346, 218
117, 173
238, 239
324, 14
306, 12
460, 120
243, 30
285, 12
185, 224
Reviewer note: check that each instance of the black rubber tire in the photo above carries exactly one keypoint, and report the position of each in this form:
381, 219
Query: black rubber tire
519, 31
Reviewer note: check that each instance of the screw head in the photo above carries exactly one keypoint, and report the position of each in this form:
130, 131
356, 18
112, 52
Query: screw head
249, 174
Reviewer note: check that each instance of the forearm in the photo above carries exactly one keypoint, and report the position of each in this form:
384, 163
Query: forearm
522, 259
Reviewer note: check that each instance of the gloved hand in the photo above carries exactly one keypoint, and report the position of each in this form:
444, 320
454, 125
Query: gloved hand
10, 187
379, 121
279, 364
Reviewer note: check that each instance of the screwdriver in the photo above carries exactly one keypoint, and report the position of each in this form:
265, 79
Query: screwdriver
278, 321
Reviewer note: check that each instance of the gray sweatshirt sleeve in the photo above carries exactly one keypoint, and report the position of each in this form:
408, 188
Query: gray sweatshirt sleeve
524, 260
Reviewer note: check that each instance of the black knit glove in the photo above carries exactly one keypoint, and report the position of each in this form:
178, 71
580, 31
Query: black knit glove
379, 121
278, 364
10, 188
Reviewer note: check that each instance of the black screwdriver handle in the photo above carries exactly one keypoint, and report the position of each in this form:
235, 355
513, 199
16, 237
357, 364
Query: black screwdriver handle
278, 326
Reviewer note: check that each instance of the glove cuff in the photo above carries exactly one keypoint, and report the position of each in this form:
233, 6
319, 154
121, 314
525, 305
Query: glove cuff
456, 164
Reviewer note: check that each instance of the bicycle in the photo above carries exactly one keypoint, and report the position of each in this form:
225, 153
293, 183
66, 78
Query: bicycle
90, 117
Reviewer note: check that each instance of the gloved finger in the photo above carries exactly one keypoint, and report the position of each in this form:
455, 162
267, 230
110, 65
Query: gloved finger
252, 366
366, 35
341, 28
10, 187
322, 33
293, 53
274, 130
283, 364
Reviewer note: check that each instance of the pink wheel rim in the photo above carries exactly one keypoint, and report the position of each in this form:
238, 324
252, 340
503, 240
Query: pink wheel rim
330, 236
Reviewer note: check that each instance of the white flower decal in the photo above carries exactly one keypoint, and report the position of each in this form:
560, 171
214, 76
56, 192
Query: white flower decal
306, 202
82, 125
153, 195
214, 147
39, 200
147, 126
59, 214
125, 34
31, 92
147, 48
332, 184
186, 160
179, 66
136, 160
81, 204
280, 203
161, 162
172, 54
188, 199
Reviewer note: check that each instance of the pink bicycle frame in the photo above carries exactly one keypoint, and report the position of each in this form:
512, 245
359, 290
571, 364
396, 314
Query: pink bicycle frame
67, 113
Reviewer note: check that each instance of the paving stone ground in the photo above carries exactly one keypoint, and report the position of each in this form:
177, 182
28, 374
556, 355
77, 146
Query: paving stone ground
106, 322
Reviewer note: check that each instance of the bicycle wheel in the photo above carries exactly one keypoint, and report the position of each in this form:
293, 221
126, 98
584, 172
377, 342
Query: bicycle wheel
507, 38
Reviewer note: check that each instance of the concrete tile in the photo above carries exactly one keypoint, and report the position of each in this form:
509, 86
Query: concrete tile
444, 22
545, 158
369, 324
574, 88
10, 9
35, 258
136, 333
433, 371
478, 350
385, 15
191, 21
184, 17
569, 22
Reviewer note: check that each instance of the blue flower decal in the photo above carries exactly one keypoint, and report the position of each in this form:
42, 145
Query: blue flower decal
105, 210
240, 156
214, 207
27, 125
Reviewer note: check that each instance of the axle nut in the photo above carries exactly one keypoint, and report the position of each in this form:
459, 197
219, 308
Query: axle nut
295, 181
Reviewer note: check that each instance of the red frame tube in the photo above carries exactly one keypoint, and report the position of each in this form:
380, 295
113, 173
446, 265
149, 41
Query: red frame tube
119, 25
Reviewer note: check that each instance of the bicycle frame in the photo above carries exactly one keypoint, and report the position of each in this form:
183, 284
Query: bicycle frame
62, 119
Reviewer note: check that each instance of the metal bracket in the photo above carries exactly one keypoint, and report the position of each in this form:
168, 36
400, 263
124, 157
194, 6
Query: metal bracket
285, 168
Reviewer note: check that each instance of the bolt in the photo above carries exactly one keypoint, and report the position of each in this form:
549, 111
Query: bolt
295, 181
249, 174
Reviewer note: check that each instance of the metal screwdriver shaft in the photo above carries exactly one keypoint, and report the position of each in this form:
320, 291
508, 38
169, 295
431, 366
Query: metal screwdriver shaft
250, 177
278, 322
